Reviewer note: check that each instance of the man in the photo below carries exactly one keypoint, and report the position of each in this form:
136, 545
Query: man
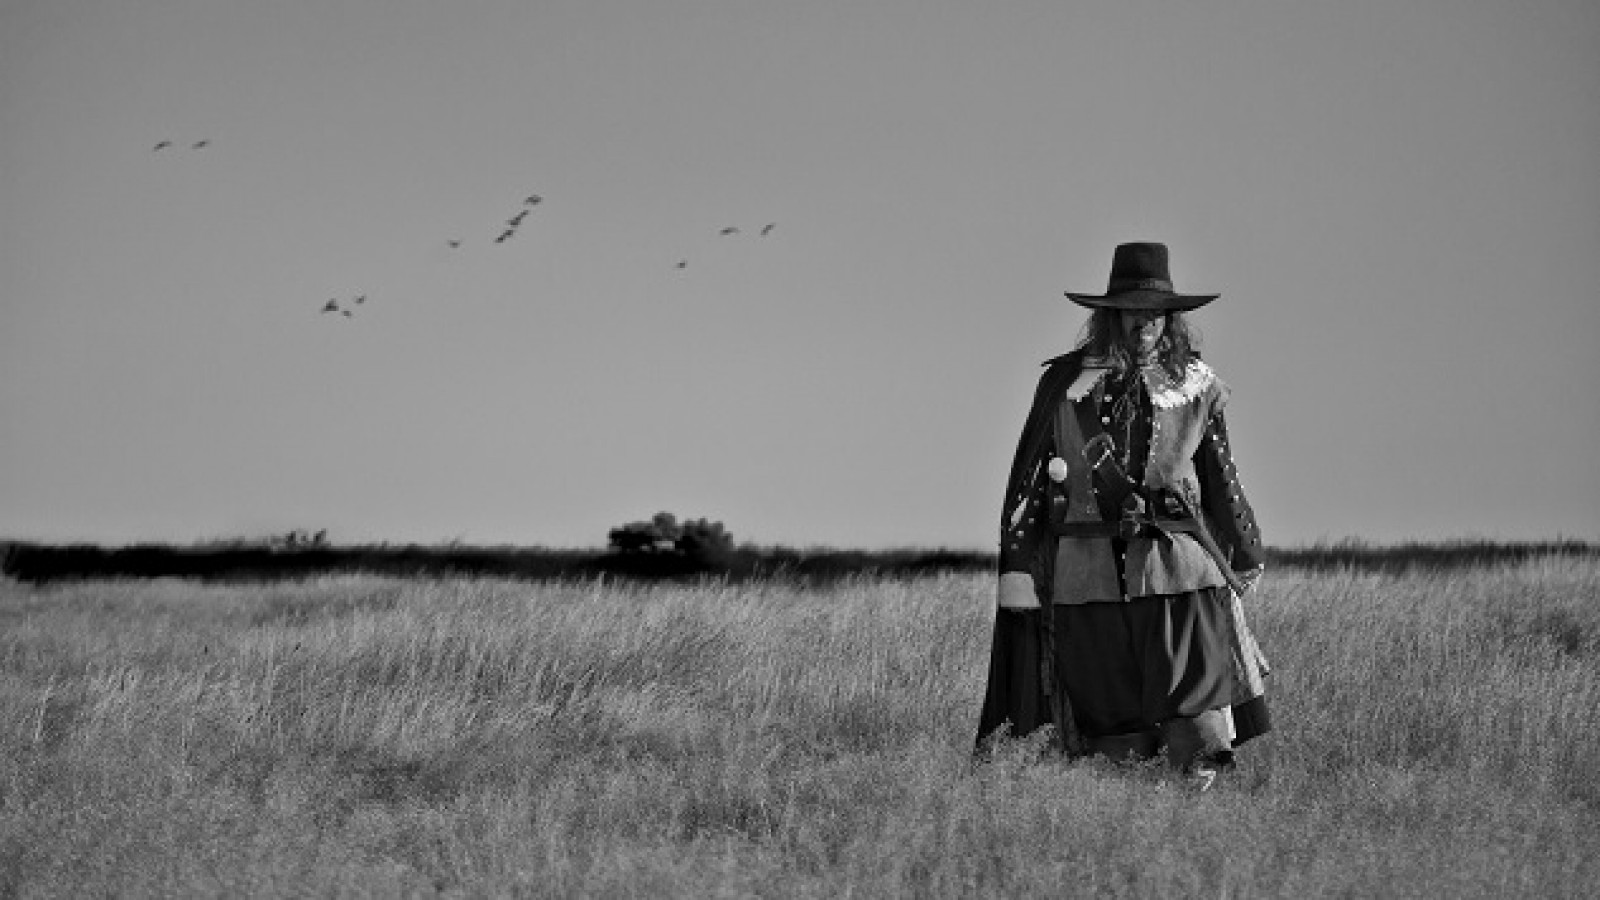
1126, 542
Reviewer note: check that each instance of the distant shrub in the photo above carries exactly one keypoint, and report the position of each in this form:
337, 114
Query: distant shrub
659, 534
691, 544
704, 539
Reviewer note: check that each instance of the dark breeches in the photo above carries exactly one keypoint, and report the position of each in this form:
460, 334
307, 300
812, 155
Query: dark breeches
1129, 667
1138, 674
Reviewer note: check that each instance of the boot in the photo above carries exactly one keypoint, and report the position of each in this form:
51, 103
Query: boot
1198, 746
1136, 746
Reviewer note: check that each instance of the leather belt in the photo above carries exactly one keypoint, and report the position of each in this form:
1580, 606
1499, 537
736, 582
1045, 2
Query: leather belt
1129, 528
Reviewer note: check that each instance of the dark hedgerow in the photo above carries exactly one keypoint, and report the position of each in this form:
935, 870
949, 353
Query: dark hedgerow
661, 547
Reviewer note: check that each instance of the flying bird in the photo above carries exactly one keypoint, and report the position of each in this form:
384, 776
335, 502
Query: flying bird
346, 313
504, 236
453, 243
534, 200
163, 145
331, 306
729, 230
768, 229
201, 145
362, 298
683, 264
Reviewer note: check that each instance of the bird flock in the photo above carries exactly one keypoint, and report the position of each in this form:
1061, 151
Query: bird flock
332, 306
345, 307
730, 231
513, 223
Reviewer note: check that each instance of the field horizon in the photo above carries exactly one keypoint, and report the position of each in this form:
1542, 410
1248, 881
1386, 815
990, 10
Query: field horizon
358, 735
300, 554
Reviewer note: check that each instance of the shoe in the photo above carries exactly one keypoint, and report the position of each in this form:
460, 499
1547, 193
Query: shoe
1200, 778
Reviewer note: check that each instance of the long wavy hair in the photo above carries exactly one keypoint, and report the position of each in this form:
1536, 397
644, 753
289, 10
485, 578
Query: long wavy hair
1179, 344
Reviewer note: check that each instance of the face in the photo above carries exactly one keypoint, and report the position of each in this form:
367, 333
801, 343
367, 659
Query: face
1141, 330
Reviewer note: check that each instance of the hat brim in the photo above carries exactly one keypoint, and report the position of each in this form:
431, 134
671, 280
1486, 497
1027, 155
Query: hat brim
1144, 300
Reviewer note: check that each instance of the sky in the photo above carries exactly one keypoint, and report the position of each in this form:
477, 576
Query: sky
1397, 201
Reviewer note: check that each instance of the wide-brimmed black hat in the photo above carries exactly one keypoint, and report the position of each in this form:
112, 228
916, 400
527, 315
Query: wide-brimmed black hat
1140, 281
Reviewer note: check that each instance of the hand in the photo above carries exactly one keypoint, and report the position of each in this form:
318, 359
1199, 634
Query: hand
1016, 591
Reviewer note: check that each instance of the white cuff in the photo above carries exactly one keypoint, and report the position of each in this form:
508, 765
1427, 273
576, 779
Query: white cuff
1016, 591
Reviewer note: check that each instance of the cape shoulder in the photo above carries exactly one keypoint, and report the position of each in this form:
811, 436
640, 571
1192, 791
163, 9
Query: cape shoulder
1070, 359
1058, 373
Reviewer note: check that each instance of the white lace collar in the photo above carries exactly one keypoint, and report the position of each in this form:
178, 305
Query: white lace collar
1165, 393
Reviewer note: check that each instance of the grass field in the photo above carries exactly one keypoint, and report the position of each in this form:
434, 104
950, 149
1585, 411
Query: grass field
1438, 736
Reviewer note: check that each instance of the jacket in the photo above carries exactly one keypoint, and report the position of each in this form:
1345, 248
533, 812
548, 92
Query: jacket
1189, 457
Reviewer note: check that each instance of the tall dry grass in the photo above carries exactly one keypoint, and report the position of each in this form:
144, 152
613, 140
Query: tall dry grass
1437, 736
